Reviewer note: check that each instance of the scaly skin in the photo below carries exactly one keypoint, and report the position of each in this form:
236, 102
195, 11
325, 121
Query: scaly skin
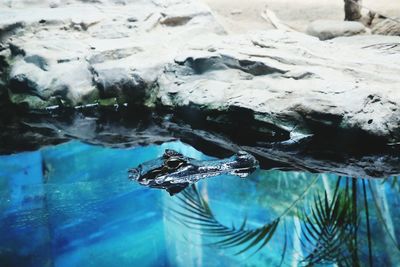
174, 172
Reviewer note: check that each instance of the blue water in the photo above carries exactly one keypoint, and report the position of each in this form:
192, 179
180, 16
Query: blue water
73, 205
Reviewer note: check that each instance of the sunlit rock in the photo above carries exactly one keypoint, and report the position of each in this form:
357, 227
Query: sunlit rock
328, 29
290, 80
387, 27
76, 51
174, 54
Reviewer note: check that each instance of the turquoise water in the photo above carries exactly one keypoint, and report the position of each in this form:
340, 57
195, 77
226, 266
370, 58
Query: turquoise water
73, 205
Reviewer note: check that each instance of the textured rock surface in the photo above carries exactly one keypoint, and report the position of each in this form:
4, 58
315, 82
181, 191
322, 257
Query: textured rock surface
152, 52
387, 27
291, 80
72, 52
328, 29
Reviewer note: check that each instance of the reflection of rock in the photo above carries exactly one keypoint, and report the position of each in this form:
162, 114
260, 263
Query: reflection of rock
387, 27
118, 128
328, 29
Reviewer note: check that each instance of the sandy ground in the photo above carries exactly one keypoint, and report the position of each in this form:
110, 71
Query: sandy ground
240, 16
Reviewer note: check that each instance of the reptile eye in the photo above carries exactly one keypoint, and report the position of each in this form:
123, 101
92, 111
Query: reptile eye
173, 163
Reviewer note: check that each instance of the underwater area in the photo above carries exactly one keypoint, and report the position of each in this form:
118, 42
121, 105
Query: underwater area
72, 204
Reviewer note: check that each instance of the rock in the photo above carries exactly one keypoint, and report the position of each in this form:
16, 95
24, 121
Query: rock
387, 27
103, 54
328, 29
121, 84
236, 12
290, 80
54, 3
132, 19
70, 82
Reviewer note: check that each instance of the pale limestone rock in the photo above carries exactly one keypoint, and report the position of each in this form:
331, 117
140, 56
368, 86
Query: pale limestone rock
290, 80
328, 29
387, 27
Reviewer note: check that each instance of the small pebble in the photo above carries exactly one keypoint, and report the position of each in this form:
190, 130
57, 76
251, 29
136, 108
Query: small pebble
132, 19
236, 12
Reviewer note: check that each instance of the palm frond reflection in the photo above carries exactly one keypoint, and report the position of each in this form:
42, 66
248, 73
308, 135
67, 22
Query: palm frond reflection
336, 225
196, 214
329, 229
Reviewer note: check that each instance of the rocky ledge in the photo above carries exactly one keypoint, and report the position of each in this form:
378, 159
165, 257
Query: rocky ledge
260, 90
77, 52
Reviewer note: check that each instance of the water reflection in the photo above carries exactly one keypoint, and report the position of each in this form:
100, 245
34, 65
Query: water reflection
73, 205
305, 219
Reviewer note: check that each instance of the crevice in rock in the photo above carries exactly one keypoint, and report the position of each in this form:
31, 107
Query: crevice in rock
124, 85
10, 29
19, 84
38, 61
16, 51
237, 123
256, 68
175, 20
114, 54
202, 65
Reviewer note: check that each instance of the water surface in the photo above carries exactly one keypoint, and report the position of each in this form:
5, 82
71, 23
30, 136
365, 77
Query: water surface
73, 205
